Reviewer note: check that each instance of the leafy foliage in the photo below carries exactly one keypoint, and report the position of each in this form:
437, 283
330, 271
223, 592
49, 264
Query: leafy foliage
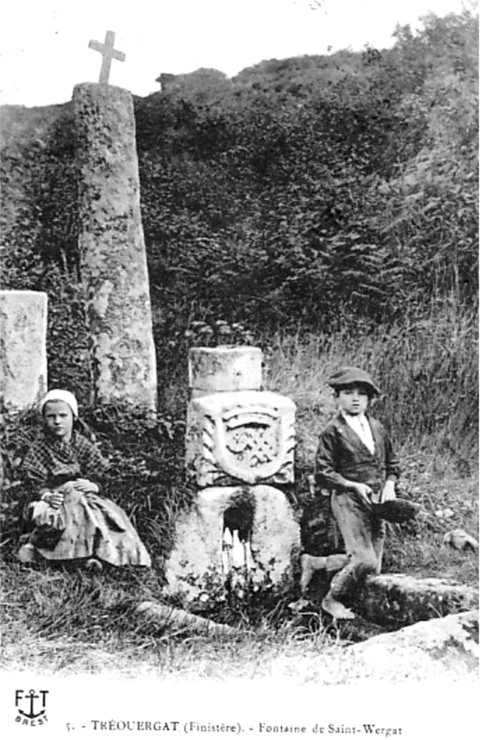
348, 195
313, 190
320, 193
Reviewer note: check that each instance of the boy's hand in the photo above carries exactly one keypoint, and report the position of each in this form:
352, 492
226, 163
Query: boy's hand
388, 493
363, 490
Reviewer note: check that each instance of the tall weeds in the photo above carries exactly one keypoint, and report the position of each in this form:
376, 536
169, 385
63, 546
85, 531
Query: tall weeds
426, 368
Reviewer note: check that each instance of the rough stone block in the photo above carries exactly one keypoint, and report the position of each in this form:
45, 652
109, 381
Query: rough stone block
442, 647
396, 599
195, 567
112, 247
224, 369
246, 436
23, 341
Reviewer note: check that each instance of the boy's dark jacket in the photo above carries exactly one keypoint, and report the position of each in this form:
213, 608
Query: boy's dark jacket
342, 456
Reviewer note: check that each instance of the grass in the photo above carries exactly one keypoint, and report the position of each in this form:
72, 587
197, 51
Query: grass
427, 371
70, 622
71, 625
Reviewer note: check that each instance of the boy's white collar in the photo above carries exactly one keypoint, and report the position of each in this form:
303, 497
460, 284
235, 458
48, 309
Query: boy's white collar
359, 424
348, 417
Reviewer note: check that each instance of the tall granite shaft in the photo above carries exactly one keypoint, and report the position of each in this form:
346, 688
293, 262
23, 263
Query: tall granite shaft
23, 348
112, 248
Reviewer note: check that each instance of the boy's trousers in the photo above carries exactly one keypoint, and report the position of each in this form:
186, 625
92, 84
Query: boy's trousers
364, 536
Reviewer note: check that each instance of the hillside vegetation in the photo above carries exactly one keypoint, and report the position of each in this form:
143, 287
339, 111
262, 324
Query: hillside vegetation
322, 207
319, 191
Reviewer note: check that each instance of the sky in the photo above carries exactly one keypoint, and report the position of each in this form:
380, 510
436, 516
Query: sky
44, 48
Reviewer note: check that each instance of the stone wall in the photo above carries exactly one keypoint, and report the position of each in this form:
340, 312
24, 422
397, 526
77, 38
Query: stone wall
23, 347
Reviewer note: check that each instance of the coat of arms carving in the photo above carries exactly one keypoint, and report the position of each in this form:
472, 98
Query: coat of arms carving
247, 436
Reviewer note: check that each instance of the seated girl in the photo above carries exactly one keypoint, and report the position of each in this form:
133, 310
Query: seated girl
74, 522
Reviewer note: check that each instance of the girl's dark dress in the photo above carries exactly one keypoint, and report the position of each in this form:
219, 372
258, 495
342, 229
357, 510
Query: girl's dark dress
93, 526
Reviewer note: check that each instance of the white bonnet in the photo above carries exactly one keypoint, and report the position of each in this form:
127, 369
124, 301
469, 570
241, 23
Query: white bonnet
58, 395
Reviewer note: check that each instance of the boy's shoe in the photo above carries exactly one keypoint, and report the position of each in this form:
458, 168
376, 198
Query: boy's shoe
397, 510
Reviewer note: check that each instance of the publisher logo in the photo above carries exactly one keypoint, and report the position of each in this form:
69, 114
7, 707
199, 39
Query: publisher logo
31, 707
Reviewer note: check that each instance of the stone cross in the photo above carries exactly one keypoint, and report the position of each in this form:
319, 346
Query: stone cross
111, 243
108, 53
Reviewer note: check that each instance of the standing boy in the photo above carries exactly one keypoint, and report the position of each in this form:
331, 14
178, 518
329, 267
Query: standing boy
356, 466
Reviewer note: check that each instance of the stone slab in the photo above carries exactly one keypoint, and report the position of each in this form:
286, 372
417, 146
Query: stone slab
397, 600
23, 344
224, 369
167, 619
444, 646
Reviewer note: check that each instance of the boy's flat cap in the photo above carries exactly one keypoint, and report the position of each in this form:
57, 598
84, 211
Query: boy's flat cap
349, 376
